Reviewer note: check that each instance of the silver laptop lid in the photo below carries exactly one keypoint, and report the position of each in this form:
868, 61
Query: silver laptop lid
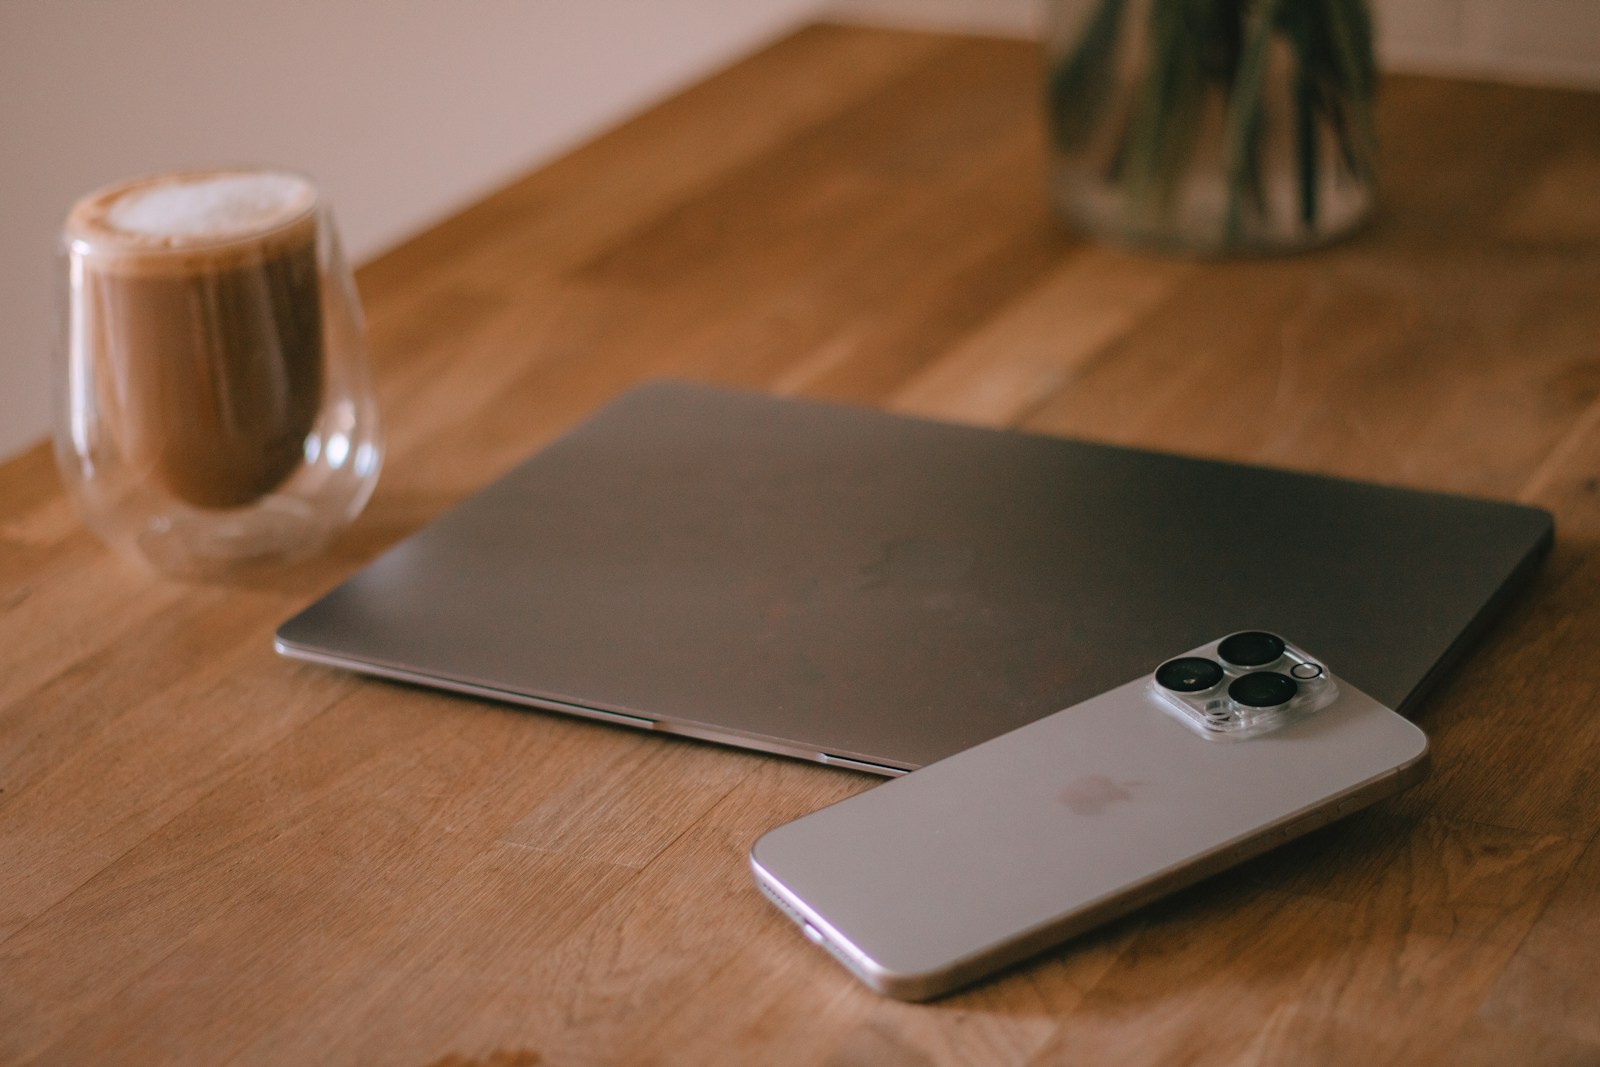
840, 583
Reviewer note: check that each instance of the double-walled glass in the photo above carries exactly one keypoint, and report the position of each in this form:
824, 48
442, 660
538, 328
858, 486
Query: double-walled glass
214, 406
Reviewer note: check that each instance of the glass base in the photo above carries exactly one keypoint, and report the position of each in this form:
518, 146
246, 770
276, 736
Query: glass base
1197, 224
198, 544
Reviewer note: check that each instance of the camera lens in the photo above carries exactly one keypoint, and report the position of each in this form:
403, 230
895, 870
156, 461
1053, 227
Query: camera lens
1188, 674
1263, 689
1252, 648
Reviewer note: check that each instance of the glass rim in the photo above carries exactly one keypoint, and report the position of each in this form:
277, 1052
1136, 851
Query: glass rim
110, 244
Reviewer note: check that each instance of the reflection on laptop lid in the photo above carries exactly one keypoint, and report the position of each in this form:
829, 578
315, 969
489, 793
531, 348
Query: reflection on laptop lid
862, 588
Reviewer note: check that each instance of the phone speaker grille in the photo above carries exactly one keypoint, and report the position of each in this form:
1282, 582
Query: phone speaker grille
782, 904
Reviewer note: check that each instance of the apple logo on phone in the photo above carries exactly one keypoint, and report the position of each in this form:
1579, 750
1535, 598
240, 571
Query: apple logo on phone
1094, 793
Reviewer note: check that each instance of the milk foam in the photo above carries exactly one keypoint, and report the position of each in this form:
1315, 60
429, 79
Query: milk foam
210, 205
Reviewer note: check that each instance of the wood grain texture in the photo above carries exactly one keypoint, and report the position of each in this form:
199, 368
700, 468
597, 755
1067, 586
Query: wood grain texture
210, 855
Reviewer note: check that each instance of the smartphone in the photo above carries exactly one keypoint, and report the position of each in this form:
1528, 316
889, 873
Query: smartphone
936, 879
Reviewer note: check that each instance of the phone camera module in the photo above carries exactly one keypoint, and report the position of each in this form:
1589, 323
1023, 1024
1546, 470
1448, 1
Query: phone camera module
1263, 689
1189, 674
1251, 648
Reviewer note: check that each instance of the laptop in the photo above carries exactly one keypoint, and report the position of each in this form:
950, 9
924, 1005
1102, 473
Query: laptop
879, 592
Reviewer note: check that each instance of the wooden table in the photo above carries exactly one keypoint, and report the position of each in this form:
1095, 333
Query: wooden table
211, 855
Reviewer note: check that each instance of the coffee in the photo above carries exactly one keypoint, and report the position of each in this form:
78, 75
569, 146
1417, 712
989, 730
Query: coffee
199, 320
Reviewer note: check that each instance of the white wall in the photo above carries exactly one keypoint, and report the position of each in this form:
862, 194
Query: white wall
1544, 42
404, 109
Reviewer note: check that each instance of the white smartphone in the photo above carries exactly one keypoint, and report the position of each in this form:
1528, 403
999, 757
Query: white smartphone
939, 878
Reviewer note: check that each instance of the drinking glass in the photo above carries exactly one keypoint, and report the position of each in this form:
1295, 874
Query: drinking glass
214, 407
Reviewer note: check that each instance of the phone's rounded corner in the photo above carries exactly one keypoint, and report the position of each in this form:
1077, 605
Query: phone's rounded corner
757, 870
911, 988
769, 884
920, 986
1420, 763
754, 855
900, 985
